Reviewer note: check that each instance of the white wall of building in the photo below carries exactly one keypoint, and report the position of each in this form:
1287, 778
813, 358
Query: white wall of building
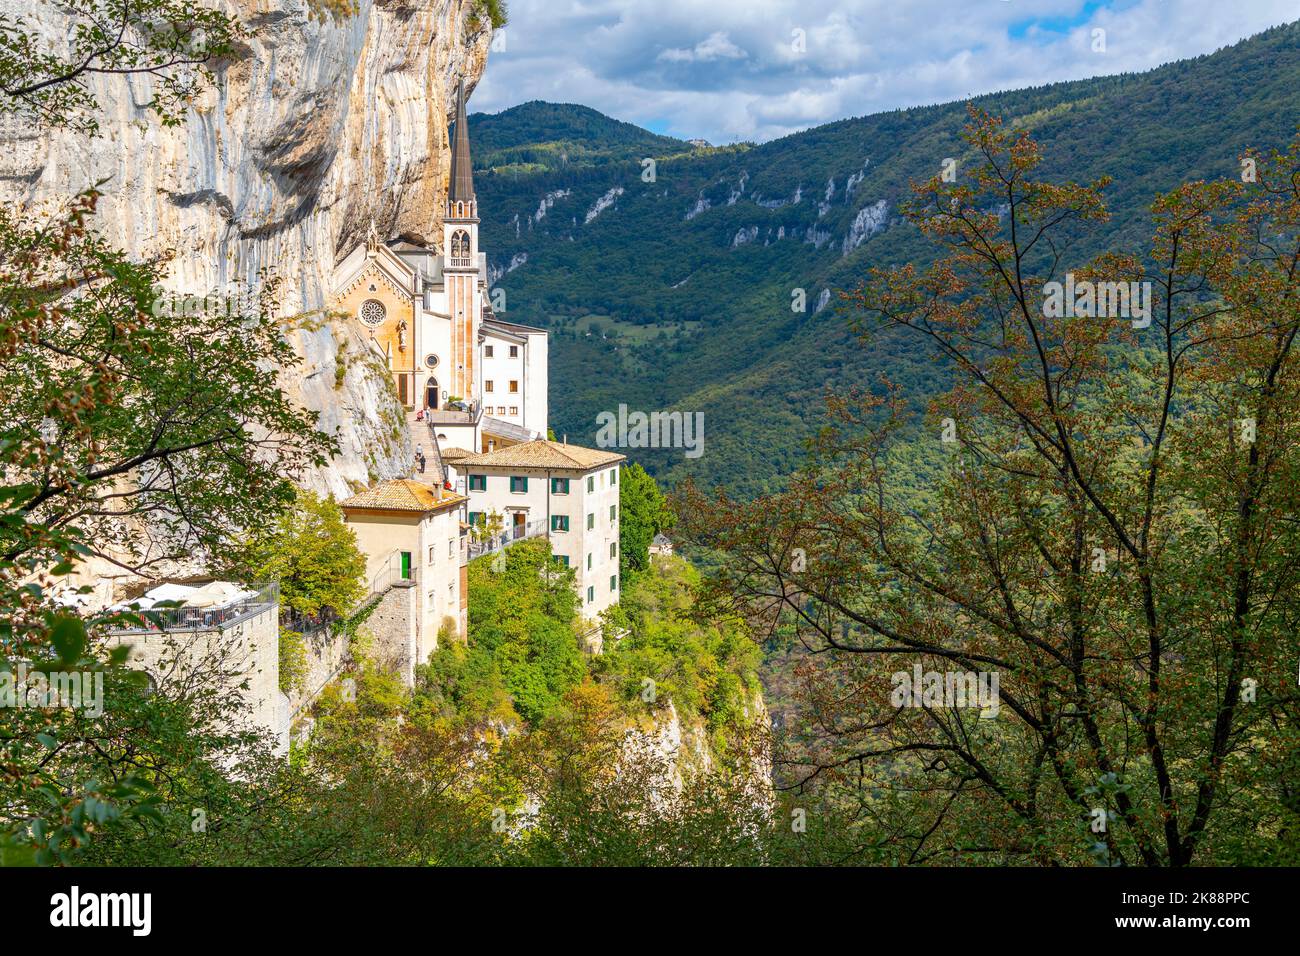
241, 658
536, 384
433, 542
502, 373
433, 339
440, 579
519, 358
591, 552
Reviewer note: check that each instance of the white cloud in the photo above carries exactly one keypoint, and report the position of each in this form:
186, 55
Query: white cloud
758, 69
716, 46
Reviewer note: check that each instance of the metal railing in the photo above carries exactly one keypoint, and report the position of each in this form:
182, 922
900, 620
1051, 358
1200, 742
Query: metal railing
390, 576
504, 539
206, 618
469, 413
439, 467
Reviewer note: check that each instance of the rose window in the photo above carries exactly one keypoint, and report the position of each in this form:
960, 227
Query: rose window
372, 312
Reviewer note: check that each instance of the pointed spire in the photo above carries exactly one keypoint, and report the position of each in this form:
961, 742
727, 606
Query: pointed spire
462, 173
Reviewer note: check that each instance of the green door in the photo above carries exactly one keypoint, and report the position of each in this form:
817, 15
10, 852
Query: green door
406, 565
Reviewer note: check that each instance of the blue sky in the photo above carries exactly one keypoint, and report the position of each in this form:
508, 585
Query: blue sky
1060, 23
757, 69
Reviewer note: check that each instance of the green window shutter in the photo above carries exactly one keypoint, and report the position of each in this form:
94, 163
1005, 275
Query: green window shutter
406, 565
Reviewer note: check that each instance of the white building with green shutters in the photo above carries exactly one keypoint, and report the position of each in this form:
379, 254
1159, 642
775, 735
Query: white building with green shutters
564, 492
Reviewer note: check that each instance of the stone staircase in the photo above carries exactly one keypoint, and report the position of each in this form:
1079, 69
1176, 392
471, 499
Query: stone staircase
422, 439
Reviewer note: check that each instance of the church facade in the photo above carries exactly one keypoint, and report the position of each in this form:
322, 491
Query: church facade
478, 382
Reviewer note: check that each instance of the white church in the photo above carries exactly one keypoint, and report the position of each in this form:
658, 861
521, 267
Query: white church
478, 381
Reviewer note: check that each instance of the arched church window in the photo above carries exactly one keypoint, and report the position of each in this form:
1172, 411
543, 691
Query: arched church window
372, 312
460, 247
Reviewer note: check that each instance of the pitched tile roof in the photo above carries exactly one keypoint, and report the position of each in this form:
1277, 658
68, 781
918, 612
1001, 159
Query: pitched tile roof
454, 454
403, 494
543, 454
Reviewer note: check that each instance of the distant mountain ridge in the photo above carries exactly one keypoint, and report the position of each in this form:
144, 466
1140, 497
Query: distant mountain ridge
549, 135
670, 285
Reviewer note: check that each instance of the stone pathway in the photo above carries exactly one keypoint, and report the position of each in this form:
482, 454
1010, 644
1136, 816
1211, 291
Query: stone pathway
422, 440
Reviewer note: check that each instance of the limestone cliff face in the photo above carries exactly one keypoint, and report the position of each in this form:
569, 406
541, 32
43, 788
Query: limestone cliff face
326, 122
682, 747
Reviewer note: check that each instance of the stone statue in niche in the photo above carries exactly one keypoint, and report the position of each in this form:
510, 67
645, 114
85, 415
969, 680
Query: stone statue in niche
401, 336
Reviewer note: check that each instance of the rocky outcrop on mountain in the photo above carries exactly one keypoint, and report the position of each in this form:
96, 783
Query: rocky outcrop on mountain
603, 203
681, 747
869, 221
331, 118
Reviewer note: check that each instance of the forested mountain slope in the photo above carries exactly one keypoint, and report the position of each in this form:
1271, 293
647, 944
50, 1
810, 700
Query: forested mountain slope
672, 286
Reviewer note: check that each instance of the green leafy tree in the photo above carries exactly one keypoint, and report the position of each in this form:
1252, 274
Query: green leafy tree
707, 670
170, 41
606, 796
643, 513
492, 12
157, 431
489, 526
522, 642
132, 434
311, 552
128, 430
1111, 538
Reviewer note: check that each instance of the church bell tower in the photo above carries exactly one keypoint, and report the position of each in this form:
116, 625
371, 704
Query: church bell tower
460, 265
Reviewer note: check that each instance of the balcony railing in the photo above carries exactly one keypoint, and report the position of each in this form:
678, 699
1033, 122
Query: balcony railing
206, 618
467, 414
503, 540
